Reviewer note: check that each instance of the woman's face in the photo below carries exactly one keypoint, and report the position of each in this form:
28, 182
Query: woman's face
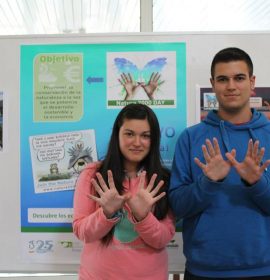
134, 142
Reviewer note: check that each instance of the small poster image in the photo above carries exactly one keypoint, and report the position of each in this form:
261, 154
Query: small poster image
141, 77
58, 159
206, 101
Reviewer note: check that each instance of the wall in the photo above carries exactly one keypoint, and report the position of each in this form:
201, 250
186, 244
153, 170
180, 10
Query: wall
200, 50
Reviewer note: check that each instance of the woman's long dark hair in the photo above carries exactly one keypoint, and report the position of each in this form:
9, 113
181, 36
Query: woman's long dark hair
152, 163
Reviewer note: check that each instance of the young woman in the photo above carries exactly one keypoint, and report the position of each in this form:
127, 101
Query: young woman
121, 209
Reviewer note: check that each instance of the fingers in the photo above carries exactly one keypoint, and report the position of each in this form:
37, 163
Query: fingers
127, 196
206, 154
253, 158
151, 183
156, 190
260, 156
97, 187
158, 197
151, 76
233, 153
102, 183
156, 77
199, 163
151, 188
255, 152
231, 158
160, 83
110, 180
121, 82
142, 180
216, 146
255, 149
125, 78
210, 148
97, 199
265, 165
250, 148
130, 78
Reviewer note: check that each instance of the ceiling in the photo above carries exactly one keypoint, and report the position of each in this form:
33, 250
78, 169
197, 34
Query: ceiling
211, 15
18, 17
68, 16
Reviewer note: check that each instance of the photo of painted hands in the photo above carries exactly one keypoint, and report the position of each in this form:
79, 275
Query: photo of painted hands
131, 86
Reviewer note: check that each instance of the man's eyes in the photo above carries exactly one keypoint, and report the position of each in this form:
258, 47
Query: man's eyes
225, 79
240, 78
222, 79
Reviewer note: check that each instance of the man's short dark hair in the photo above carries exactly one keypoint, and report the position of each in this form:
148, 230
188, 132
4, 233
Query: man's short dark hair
231, 54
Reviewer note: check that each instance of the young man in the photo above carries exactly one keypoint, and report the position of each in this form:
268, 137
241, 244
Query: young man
220, 184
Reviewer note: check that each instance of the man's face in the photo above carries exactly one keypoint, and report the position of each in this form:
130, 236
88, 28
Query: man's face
233, 86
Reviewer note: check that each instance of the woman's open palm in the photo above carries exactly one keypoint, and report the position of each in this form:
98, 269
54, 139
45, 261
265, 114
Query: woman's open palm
146, 196
109, 198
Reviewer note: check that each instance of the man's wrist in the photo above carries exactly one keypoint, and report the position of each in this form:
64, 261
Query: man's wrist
246, 183
217, 181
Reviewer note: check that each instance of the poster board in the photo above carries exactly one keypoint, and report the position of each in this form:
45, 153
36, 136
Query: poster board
200, 49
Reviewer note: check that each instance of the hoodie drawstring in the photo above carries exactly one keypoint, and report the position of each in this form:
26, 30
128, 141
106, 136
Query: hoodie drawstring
224, 136
252, 134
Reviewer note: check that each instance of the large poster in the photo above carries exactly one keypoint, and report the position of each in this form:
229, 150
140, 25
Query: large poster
70, 96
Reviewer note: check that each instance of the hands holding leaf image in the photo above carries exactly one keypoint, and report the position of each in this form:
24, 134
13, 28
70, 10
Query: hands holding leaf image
131, 86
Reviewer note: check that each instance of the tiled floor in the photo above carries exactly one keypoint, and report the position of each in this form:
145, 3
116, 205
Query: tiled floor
181, 277
12, 276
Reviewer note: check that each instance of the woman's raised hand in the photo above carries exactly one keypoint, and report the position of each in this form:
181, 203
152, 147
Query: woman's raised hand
109, 198
146, 196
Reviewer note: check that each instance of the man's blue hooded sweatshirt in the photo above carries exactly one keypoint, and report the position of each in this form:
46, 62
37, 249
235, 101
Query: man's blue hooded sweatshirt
226, 225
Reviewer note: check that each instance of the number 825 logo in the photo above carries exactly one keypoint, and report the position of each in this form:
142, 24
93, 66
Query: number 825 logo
40, 246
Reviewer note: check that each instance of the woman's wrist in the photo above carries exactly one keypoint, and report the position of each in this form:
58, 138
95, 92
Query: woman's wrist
114, 215
138, 218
